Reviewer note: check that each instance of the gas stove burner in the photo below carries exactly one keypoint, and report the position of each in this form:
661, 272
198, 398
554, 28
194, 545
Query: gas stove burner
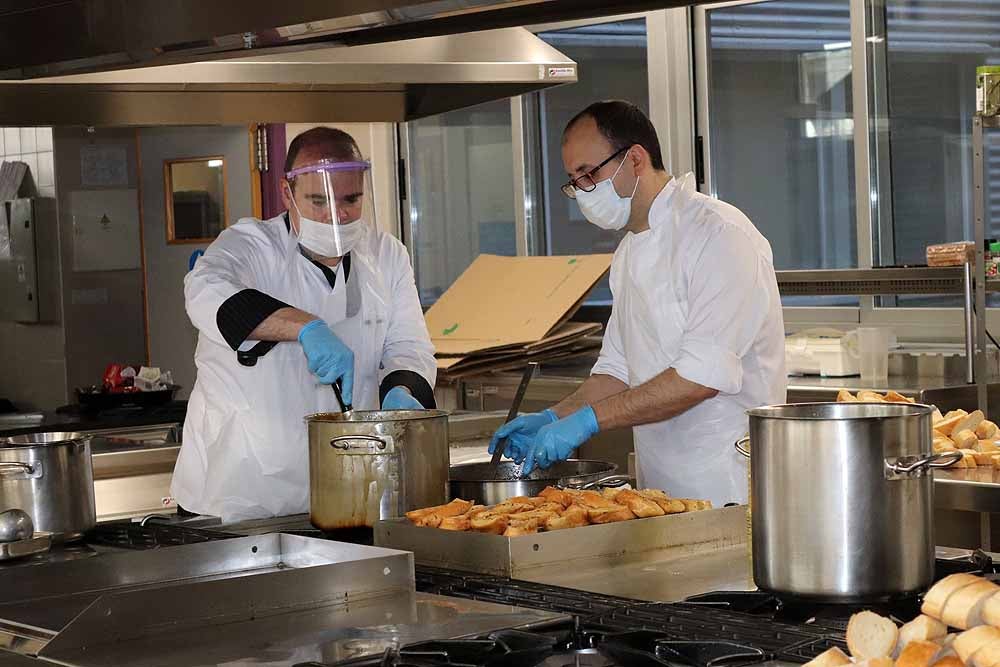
504, 648
655, 649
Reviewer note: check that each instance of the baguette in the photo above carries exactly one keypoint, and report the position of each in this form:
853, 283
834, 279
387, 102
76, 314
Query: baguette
922, 628
462, 522
918, 654
952, 413
968, 643
964, 439
970, 421
984, 458
454, 508
942, 444
832, 657
969, 459
552, 494
988, 655
871, 636
939, 593
987, 446
949, 661
844, 396
987, 430
488, 522
642, 507
573, 516
895, 397
594, 500
611, 514
947, 425
670, 505
991, 610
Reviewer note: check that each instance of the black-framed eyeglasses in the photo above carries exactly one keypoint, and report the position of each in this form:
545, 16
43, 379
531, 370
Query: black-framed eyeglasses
586, 182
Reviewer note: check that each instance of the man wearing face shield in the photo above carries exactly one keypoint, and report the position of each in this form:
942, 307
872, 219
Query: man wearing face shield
285, 308
696, 334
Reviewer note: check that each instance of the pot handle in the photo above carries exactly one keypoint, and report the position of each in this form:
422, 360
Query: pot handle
908, 467
382, 444
30, 471
741, 446
609, 480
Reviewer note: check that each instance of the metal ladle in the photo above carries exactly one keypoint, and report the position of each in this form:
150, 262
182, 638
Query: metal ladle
15, 525
515, 406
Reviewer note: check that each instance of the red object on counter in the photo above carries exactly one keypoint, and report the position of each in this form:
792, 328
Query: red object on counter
113, 377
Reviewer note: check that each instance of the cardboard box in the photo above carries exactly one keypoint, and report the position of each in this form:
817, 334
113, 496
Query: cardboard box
509, 302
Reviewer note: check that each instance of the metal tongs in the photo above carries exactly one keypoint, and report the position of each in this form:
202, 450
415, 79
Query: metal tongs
346, 408
515, 407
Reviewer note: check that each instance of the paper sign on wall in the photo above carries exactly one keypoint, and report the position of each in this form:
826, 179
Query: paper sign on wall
105, 230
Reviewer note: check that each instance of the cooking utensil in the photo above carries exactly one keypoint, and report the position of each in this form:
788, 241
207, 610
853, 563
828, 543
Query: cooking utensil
51, 477
515, 406
35, 544
488, 484
345, 408
841, 500
15, 525
368, 465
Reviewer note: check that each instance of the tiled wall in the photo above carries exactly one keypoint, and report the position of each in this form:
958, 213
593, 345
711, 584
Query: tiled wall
33, 146
33, 365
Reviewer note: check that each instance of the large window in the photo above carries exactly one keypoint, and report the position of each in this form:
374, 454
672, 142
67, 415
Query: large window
780, 128
612, 60
932, 51
460, 192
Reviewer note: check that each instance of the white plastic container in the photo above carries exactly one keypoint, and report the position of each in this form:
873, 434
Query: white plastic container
873, 344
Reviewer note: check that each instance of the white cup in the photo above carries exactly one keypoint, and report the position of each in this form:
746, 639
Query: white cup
873, 344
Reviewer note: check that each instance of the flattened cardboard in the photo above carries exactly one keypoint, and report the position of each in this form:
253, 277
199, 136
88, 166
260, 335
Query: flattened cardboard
511, 301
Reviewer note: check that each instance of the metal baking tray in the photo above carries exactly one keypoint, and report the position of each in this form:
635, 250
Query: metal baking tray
78, 604
675, 534
38, 543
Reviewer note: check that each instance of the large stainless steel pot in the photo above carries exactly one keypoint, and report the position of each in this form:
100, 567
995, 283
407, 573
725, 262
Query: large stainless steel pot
841, 500
488, 484
371, 465
51, 477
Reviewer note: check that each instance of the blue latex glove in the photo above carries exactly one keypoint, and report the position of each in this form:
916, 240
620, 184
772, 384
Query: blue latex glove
329, 359
399, 398
557, 441
520, 433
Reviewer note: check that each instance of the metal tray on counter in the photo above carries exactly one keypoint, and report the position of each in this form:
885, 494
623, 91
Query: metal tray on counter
75, 605
38, 543
680, 534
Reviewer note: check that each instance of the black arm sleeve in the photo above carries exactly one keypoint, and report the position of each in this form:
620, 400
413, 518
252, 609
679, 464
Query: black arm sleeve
418, 386
240, 314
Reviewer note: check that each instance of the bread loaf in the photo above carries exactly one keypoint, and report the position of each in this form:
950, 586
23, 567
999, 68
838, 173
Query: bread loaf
949, 661
922, 628
987, 430
844, 396
964, 439
947, 425
938, 594
970, 421
918, 654
987, 446
832, 657
641, 506
871, 397
871, 636
968, 643
988, 655
991, 610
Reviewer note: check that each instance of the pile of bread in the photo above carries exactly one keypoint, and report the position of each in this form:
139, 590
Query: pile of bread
967, 432
553, 509
961, 601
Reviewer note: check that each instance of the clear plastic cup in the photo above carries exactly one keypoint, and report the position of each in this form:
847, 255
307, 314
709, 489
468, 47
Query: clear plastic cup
873, 344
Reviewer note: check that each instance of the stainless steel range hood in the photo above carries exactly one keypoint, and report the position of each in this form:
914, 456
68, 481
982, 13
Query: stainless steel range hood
395, 81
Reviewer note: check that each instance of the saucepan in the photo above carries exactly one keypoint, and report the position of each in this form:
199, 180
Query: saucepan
488, 484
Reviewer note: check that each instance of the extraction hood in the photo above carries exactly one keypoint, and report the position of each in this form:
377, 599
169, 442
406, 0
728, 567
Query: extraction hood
395, 81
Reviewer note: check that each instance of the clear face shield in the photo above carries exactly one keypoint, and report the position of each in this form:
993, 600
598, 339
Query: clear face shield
333, 203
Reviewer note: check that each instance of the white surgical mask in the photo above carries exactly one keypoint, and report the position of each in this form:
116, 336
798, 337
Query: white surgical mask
603, 206
322, 240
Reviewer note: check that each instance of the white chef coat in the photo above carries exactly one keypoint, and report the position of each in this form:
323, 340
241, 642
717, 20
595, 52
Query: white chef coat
696, 292
245, 450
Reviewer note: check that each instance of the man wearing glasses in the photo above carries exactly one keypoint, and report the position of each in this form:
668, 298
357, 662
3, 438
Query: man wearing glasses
696, 334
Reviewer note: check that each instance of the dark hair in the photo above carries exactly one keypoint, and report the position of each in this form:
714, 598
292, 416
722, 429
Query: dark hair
328, 141
623, 124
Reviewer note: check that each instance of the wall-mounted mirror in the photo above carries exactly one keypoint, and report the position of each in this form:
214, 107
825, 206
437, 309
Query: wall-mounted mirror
195, 190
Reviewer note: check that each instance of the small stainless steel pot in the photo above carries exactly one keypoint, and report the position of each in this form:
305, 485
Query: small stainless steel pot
489, 485
51, 477
841, 499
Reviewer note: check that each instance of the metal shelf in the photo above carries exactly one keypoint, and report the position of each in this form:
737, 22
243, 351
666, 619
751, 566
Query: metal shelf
850, 282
